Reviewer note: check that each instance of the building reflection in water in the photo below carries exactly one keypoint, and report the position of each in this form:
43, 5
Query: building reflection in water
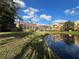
56, 37
68, 45
76, 38
68, 39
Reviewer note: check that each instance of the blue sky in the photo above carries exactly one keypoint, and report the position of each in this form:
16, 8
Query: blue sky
45, 11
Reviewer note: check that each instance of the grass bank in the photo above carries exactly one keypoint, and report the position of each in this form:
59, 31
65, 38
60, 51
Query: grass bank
65, 32
24, 45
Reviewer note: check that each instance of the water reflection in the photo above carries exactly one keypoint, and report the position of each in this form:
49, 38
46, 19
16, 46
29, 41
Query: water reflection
68, 39
65, 46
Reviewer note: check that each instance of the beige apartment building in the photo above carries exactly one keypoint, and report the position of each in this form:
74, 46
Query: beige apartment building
44, 28
30, 26
57, 27
33, 27
76, 25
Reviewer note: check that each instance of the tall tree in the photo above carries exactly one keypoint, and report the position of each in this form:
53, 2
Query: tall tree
7, 15
20, 22
68, 26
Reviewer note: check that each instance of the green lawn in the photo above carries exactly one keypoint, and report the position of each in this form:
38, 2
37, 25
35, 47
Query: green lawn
67, 32
24, 45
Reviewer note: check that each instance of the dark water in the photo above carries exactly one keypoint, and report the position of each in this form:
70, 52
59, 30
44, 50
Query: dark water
64, 46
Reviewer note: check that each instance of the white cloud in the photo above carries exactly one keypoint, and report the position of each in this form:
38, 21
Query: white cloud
34, 18
60, 21
41, 24
19, 3
30, 11
72, 11
77, 20
77, 7
27, 11
67, 11
45, 17
27, 17
33, 9
31, 14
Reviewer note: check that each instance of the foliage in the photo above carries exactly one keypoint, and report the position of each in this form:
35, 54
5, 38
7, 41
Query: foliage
7, 15
68, 26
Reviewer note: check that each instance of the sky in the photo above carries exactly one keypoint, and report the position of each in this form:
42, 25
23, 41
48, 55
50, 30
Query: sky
49, 11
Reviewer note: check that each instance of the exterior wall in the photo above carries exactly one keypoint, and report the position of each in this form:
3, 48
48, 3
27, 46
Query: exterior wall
44, 28
76, 26
31, 27
57, 27
76, 39
34, 27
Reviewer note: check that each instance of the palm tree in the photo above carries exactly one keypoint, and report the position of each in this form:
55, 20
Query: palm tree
20, 21
50, 25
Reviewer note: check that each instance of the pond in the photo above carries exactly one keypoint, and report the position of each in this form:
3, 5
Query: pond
64, 46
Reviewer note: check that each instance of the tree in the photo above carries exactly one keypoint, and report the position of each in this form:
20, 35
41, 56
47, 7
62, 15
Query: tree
68, 26
20, 21
7, 15
50, 25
